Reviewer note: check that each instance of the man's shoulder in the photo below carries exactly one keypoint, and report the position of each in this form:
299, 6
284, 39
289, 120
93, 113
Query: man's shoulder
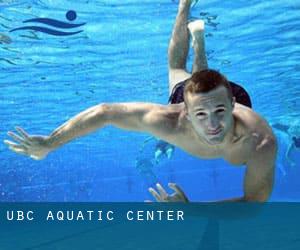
165, 122
255, 133
252, 124
170, 111
249, 118
167, 115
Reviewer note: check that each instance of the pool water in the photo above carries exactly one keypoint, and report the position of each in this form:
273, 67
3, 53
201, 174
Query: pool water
120, 56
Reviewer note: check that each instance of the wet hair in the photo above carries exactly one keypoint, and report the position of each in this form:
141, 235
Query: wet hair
296, 141
205, 81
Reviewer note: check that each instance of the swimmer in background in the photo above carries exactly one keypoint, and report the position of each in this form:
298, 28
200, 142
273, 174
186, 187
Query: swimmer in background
292, 130
145, 169
162, 149
146, 161
283, 143
208, 117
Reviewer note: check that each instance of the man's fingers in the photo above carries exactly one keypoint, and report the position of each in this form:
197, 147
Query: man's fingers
16, 137
18, 150
23, 133
176, 188
155, 194
35, 157
11, 144
162, 192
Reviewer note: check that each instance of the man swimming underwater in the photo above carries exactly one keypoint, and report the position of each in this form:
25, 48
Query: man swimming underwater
292, 129
208, 118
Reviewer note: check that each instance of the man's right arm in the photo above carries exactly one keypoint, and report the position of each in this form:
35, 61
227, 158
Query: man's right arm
145, 117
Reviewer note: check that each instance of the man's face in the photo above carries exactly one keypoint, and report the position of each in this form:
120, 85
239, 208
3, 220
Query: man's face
210, 114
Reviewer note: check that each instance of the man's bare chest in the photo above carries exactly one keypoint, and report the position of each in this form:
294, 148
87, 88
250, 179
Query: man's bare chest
236, 153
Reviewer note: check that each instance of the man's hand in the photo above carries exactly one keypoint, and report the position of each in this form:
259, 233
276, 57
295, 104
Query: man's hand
163, 196
33, 146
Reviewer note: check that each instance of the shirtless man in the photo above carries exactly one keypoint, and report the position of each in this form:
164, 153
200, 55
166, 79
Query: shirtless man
206, 119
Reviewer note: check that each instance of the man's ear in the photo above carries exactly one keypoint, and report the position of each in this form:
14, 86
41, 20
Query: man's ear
233, 101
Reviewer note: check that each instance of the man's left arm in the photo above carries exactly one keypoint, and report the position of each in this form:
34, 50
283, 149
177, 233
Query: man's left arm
259, 177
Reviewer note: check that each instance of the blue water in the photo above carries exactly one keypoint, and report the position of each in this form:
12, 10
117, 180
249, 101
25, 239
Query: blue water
120, 56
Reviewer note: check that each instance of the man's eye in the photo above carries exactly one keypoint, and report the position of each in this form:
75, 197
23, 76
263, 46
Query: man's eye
219, 111
201, 114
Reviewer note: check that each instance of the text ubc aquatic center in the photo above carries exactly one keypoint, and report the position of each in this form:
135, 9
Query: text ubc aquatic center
99, 215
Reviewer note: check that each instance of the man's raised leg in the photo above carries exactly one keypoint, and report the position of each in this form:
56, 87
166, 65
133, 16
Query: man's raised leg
196, 29
179, 46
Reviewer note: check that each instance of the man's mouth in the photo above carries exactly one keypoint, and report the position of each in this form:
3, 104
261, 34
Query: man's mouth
215, 131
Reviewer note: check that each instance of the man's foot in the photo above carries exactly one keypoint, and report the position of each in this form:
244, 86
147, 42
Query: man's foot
192, 2
196, 29
170, 152
185, 3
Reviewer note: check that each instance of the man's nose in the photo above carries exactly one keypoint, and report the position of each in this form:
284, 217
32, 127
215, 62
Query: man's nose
213, 123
